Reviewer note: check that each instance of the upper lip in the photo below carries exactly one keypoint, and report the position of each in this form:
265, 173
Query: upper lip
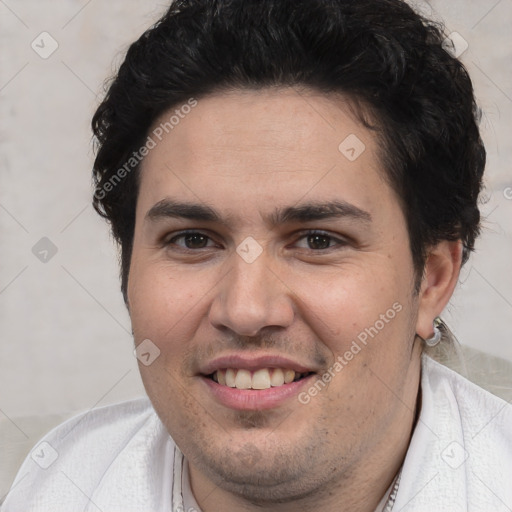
247, 362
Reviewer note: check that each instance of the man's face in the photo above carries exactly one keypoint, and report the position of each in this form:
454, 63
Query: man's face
251, 298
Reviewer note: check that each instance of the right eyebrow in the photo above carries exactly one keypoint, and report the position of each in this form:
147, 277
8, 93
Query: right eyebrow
169, 208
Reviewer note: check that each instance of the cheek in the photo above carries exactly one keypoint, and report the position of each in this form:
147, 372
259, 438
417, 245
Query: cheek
344, 302
161, 297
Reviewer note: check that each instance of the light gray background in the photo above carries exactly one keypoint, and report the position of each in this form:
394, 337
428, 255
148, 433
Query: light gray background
65, 334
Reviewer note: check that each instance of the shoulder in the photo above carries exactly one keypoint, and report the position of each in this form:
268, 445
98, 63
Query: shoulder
121, 418
106, 426
475, 430
460, 452
73, 461
478, 409
470, 397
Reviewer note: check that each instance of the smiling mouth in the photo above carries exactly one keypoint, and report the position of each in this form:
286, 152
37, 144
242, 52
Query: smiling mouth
263, 378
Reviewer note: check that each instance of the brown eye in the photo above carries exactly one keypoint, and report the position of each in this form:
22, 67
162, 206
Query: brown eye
192, 240
195, 240
318, 241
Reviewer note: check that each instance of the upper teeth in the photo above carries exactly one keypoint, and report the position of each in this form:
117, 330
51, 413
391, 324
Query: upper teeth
258, 379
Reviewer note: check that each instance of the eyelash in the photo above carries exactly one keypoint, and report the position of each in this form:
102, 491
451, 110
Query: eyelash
305, 234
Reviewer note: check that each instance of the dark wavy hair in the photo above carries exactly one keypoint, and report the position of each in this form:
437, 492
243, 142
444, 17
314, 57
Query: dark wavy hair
388, 60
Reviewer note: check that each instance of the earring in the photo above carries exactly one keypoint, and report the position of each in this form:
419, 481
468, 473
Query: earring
436, 338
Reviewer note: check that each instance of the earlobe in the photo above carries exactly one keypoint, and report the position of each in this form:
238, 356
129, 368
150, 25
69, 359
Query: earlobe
439, 280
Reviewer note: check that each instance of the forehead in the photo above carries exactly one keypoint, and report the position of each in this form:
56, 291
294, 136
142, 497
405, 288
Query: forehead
250, 148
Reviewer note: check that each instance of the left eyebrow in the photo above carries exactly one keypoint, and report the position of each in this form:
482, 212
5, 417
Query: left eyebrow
318, 211
308, 212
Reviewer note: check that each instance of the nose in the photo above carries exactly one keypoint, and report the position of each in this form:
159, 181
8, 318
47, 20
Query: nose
250, 297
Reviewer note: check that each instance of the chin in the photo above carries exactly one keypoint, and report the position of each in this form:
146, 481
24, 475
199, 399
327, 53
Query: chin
264, 483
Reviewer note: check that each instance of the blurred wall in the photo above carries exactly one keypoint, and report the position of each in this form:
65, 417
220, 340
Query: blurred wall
66, 343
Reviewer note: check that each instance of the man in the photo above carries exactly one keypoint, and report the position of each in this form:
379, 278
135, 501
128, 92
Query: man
293, 185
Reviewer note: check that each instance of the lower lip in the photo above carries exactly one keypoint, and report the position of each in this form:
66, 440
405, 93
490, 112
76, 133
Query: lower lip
252, 399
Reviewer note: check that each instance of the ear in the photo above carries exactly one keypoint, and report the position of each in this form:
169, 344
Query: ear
440, 277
